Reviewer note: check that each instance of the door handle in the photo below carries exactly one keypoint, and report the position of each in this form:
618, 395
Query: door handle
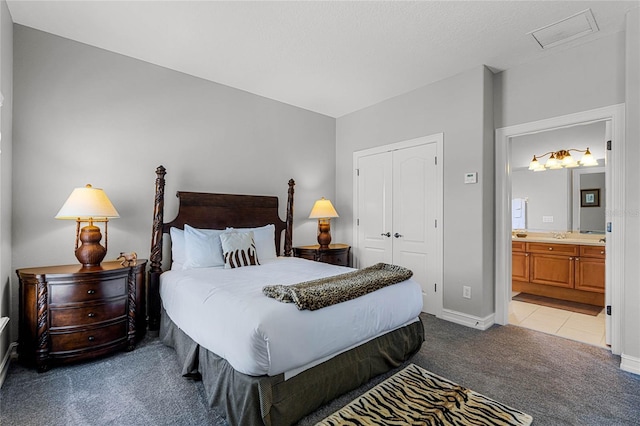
397, 235
388, 234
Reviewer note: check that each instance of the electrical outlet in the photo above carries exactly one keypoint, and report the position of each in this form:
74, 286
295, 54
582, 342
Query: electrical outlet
466, 292
547, 219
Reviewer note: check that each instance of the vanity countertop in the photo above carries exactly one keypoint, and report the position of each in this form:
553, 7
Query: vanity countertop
570, 238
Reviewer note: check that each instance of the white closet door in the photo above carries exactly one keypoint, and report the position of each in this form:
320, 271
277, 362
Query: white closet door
375, 208
415, 205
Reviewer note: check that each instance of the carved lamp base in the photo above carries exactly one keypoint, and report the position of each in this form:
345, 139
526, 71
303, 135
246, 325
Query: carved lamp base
90, 253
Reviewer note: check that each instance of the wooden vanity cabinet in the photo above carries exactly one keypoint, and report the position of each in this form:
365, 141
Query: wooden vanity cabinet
589, 275
561, 271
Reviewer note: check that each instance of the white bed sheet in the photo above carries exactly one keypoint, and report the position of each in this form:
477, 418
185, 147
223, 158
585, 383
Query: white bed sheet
225, 311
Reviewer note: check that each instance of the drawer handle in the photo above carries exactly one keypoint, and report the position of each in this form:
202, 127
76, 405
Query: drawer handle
91, 338
550, 248
92, 291
91, 315
601, 252
577, 258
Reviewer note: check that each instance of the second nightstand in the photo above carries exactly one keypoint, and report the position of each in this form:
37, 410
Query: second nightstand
71, 313
336, 254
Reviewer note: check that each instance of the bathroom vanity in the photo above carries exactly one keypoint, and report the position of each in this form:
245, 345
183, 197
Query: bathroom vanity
568, 268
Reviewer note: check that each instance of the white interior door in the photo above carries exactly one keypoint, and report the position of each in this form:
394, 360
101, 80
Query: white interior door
414, 217
375, 207
398, 201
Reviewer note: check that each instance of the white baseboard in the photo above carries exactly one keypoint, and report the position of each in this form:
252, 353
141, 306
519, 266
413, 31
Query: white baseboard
630, 364
468, 320
4, 367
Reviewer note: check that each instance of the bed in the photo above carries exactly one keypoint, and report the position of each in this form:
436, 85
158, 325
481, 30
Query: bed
263, 362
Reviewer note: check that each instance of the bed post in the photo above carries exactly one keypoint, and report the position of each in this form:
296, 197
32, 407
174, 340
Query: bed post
288, 234
155, 258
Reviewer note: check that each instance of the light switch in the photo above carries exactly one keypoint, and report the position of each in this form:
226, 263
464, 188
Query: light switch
471, 177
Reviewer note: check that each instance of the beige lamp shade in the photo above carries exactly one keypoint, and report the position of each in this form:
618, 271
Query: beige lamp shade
86, 203
323, 209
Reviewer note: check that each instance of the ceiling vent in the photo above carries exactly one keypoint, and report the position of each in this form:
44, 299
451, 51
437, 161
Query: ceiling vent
579, 25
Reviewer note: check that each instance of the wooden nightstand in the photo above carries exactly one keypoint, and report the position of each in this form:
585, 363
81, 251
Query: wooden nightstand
336, 254
70, 313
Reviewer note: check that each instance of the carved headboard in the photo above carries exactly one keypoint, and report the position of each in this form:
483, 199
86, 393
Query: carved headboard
212, 211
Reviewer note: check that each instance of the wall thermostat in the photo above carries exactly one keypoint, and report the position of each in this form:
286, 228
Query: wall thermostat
471, 177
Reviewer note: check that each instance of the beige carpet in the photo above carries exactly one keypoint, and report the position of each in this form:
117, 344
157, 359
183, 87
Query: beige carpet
415, 396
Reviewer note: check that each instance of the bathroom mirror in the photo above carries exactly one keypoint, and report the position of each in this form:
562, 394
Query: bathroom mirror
550, 200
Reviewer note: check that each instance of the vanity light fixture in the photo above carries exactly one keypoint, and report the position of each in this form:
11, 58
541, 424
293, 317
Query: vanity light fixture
562, 158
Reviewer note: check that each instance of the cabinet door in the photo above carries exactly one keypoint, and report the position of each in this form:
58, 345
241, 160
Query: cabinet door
552, 270
520, 266
590, 274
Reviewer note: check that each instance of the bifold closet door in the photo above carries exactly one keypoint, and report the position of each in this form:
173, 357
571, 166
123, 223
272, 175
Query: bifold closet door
397, 211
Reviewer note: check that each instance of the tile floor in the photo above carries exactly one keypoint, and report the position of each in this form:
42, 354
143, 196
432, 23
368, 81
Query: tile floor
571, 325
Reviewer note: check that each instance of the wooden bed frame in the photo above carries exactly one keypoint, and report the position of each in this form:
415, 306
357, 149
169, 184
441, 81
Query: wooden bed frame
212, 211
262, 400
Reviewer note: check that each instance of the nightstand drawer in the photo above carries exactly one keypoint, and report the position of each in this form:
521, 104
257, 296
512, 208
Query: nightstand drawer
87, 291
341, 258
87, 315
64, 342
335, 254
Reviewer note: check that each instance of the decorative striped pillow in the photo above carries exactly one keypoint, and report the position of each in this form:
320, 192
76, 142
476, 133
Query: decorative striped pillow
238, 249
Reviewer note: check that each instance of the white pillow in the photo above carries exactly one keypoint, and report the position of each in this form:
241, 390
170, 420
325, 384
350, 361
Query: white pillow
178, 255
239, 249
264, 238
202, 248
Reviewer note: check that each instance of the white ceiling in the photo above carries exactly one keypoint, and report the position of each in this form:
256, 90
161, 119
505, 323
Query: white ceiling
331, 57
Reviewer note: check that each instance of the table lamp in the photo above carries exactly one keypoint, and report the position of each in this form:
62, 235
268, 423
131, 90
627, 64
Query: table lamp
323, 211
90, 205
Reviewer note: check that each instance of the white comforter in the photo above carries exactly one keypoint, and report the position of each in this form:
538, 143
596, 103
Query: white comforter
225, 311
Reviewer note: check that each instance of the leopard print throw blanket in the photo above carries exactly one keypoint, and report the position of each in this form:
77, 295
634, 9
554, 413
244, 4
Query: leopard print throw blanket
317, 294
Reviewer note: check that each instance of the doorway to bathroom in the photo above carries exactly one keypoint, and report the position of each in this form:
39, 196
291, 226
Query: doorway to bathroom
613, 197
558, 190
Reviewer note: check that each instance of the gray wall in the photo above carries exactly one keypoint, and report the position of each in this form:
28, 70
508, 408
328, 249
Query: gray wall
631, 335
461, 107
585, 77
84, 115
6, 87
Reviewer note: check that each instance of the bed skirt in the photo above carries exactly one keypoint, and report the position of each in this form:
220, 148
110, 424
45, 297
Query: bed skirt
271, 400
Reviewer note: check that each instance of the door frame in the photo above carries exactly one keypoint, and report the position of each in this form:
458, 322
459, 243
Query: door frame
615, 188
438, 139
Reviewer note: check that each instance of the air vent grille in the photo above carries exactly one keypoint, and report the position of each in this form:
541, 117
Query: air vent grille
568, 29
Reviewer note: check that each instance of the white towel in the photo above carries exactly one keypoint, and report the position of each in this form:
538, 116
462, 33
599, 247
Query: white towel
518, 213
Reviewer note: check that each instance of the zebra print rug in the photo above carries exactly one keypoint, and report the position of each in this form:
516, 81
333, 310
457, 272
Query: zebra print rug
414, 396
